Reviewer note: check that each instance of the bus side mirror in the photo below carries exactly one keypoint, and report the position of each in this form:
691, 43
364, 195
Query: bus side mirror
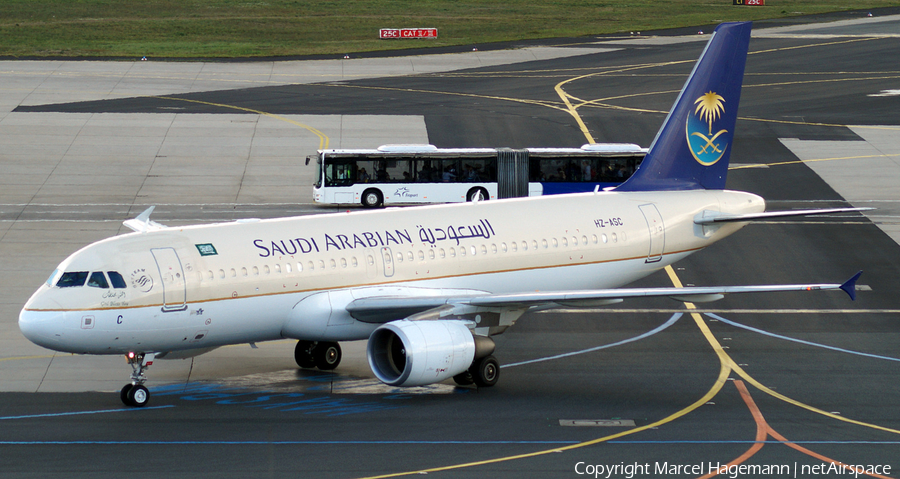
307, 161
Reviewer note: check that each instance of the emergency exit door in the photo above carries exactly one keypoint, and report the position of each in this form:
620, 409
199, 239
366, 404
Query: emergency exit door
657, 232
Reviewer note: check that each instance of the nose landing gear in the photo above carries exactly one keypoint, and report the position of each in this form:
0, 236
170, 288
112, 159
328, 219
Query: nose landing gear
136, 394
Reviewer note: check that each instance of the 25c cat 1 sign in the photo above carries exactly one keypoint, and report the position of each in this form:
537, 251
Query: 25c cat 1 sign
411, 32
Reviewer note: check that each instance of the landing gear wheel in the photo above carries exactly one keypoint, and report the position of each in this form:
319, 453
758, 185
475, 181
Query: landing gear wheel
303, 354
124, 394
485, 371
372, 198
328, 355
138, 396
464, 379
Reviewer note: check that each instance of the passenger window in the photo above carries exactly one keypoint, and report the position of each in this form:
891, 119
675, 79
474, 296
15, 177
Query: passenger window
343, 262
243, 271
68, 280
116, 279
513, 246
98, 280
332, 263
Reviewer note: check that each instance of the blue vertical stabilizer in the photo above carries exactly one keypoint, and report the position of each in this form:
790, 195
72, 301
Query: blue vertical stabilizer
692, 148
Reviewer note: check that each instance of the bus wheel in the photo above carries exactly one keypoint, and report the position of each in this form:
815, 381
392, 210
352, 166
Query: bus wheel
372, 198
470, 196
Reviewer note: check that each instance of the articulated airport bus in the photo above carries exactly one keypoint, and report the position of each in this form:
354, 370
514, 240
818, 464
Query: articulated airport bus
408, 174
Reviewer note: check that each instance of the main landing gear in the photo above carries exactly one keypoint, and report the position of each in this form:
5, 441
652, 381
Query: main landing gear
319, 354
135, 393
484, 372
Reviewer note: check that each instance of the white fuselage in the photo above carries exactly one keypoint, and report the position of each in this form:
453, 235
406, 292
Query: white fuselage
204, 286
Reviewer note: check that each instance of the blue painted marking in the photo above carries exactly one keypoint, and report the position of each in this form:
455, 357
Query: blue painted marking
270, 443
76, 413
675, 317
808, 343
285, 402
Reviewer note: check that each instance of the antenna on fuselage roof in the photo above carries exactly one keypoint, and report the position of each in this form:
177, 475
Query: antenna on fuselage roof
142, 223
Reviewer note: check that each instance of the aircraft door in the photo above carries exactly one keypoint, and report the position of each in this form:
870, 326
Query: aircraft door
657, 232
172, 275
388, 261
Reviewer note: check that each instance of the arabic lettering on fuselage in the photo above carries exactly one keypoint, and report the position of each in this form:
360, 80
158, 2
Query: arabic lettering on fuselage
371, 239
456, 233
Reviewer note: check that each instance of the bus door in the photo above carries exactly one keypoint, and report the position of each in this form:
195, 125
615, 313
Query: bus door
657, 232
172, 275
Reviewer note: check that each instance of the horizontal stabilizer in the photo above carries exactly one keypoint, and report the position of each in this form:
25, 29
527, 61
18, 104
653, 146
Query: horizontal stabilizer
772, 215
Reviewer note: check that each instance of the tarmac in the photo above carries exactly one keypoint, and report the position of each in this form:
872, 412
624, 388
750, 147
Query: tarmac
71, 178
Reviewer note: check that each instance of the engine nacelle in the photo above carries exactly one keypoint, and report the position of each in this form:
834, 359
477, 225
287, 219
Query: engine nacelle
415, 353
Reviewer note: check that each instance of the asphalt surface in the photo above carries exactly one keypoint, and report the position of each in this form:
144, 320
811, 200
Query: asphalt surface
813, 383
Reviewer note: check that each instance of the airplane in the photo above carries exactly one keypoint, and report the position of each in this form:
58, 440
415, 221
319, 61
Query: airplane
427, 286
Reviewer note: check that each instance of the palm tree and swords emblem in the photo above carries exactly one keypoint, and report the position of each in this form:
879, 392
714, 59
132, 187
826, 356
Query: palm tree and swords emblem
706, 147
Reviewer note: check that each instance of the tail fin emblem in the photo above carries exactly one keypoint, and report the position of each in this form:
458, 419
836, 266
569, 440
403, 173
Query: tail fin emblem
707, 147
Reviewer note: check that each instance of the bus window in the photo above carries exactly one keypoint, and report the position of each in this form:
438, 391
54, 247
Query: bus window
340, 173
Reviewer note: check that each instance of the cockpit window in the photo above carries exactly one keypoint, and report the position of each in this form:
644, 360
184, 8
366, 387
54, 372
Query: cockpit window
52, 277
72, 278
98, 280
116, 279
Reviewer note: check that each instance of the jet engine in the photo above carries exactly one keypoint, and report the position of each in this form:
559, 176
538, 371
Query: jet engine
415, 353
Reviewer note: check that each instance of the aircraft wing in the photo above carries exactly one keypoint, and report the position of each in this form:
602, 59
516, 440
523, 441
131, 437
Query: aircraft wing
379, 309
718, 218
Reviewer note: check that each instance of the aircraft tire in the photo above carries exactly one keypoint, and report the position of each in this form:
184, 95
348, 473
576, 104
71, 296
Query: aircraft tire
124, 394
328, 355
303, 355
464, 379
138, 396
485, 371
372, 198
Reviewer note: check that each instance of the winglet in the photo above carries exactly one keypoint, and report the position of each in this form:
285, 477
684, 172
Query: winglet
142, 222
849, 286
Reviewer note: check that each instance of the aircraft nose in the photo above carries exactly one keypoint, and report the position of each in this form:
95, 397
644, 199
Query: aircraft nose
44, 328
